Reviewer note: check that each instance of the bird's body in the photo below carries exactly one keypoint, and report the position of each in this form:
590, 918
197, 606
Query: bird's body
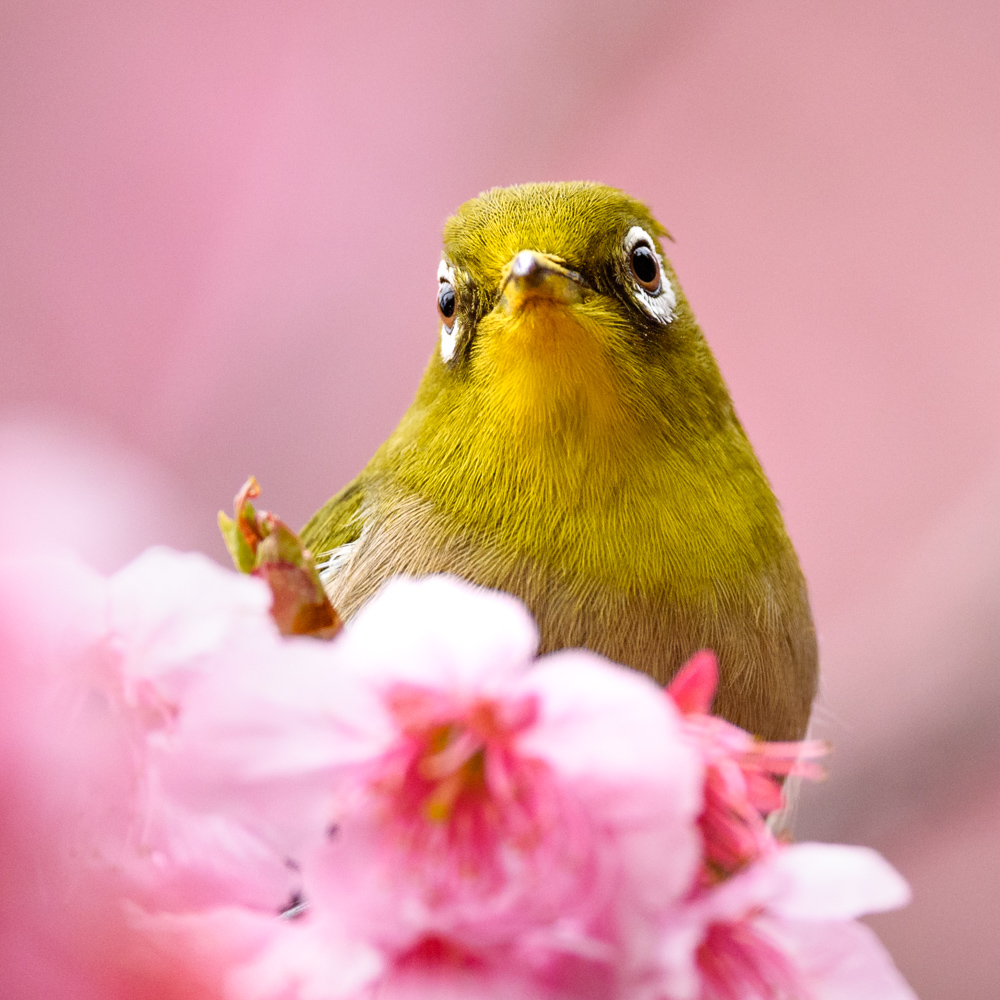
572, 442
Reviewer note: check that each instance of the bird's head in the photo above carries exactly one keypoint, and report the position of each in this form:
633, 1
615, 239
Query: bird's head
559, 309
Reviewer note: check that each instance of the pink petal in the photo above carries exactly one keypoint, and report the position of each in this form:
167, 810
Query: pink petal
262, 737
441, 632
492, 982
693, 687
171, 608
212, 947
187, 860
305, 959
753, 924
611, 728
609, 733
836, 882
843, 961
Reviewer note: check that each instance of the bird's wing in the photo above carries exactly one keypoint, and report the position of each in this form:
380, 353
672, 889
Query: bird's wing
336, 526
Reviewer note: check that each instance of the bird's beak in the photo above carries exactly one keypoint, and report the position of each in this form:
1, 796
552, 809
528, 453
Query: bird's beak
532, 275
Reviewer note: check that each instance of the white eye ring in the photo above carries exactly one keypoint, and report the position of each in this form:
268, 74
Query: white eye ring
660, 305
449, 334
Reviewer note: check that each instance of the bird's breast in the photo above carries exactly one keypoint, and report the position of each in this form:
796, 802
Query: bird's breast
549, 369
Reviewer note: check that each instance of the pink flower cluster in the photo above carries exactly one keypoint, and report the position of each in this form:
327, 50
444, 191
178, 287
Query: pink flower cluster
195, 806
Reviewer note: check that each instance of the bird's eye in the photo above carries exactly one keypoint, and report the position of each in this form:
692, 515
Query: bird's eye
645, 267
446, 302
652, 291
447, 310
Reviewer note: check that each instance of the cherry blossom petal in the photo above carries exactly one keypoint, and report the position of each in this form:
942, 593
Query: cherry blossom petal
842, 960
262, 739
306, 959
210, 946
835, 882
609, 733
181, 860
264, 716
786, 920
441, 632
693, 686
456, 982
170, 609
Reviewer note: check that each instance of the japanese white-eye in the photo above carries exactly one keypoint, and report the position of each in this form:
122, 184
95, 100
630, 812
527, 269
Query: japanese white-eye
573, 443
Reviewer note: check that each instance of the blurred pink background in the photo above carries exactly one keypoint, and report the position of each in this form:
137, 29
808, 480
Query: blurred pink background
220, 227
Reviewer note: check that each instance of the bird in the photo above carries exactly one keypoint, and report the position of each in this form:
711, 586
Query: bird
572, 442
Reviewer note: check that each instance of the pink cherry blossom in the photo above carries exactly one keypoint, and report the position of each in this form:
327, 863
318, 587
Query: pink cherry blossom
66, 793
173, 619
452, 815
104, 666
743, 775
786, 927
469, 794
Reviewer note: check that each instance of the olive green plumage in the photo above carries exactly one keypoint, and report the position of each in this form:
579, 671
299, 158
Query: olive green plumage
578, 448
